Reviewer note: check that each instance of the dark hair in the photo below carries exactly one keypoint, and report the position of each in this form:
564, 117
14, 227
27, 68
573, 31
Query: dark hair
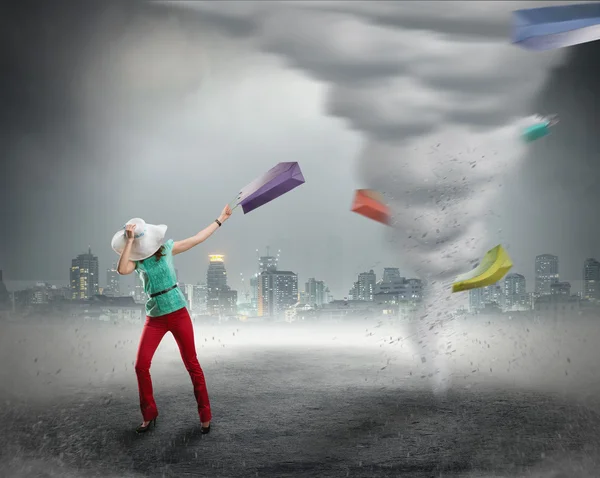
158, 254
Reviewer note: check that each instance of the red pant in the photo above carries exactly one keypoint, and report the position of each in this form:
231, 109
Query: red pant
155, 328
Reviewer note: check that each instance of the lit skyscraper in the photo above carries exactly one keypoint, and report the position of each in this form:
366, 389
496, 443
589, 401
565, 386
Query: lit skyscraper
277, 292
113, 281
366, 285
216, 281
515, 295
84, 276
546, 273
591, 279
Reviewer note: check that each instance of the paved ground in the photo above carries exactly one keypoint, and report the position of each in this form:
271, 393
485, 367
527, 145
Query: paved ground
314, 411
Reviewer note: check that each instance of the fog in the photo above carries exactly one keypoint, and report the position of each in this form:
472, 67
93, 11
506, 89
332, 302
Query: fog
80, 376
557, 355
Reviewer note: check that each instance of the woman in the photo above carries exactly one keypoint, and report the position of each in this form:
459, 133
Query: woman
143, 250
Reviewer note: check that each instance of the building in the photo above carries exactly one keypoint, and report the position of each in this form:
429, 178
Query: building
227, 302
557, 305
414, 289
476, 299
40, 294
184, 290
484, 297
113, 282
267, 263
366, 285
515, 294
404, 289
591, 280
490, 309
353, 293
197, 295
390, 274
42, 298
315, 293
560, 288
4, 295
397, 295
301, 312
531, 298
253, 306
546, 273
216, 281
58, 294
340, 310
103, 308
139, 294
84, 276
277, 292
189, 294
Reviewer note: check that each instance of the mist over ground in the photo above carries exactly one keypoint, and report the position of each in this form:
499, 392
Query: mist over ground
343, 399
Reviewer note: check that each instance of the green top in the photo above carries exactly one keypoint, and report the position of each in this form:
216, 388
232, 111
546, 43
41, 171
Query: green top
158, 276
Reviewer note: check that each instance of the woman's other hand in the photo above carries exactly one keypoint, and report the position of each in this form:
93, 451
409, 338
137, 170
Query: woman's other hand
130, 232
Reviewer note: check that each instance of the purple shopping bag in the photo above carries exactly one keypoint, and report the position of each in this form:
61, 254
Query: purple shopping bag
277, 181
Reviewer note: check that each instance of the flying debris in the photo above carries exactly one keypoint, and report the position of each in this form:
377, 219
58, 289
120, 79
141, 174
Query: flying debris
370, 204
494, 266
548, 28
277, 181
539, 130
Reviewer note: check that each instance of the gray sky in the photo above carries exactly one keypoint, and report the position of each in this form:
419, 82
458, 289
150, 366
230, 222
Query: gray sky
165, 113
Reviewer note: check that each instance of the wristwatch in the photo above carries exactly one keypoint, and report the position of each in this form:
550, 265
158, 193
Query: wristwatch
218, 222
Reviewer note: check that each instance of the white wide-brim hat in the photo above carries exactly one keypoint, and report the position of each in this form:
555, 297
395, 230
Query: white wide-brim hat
148, 239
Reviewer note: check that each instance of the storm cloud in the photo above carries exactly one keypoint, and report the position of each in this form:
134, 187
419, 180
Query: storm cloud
98, 97
408, 89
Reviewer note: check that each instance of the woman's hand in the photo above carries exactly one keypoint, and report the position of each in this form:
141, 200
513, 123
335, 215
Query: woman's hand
225, 214
130, 232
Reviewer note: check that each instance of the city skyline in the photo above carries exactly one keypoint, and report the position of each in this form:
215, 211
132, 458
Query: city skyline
261, 265
276, 293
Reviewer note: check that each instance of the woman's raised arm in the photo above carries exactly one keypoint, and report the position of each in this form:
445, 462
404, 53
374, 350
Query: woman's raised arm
203, 235
125, 266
